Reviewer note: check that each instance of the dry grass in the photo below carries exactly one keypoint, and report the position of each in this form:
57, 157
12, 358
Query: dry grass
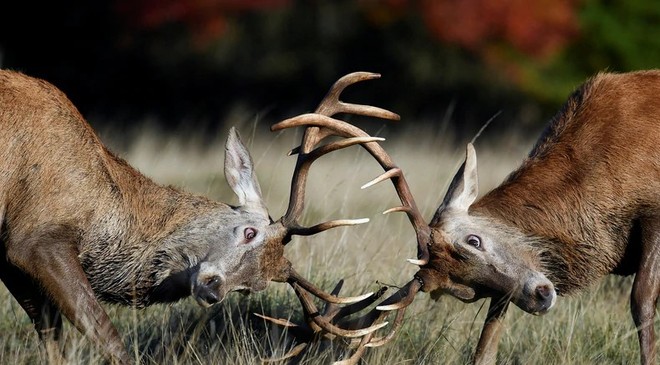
594, 327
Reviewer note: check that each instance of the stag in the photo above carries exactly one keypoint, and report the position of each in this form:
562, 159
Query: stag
585, 203
80, 226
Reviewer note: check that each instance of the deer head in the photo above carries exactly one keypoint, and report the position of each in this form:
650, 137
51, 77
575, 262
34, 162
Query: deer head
467, 255
473, 256
253, 253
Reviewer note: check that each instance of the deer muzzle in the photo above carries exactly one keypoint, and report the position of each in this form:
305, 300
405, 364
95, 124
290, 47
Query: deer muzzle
538, 295
209, 290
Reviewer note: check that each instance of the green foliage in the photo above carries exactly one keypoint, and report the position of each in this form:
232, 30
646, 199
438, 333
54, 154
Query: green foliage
620, 35
614, 36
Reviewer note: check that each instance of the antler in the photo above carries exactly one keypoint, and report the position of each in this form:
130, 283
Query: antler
320, 125
325, 323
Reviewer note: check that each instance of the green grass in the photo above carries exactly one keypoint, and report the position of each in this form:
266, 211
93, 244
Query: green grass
593, 327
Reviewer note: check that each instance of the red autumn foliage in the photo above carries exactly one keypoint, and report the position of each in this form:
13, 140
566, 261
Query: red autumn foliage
537, 28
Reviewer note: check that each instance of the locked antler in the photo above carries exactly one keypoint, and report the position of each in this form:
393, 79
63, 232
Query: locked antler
332, 320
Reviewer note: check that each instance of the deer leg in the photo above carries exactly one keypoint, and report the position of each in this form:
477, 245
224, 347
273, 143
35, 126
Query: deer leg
44, 315
42, 312
51, 259
486, 352
646, 288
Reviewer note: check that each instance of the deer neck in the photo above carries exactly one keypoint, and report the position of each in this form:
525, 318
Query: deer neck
557, 223
149, 240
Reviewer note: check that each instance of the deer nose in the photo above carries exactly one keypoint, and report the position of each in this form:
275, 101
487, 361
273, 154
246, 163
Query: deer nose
538, 295
544, 292
545, 295
206, 292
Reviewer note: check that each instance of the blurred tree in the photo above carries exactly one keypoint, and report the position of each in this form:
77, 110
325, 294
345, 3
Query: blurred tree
459, 61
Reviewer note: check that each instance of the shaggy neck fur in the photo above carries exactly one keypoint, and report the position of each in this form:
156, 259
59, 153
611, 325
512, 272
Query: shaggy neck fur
143, 250
570, 208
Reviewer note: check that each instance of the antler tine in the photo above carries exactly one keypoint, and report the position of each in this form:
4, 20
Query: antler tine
295, 278
331, 105
355, 357
295, 351
399, 301
312, 313
331, 314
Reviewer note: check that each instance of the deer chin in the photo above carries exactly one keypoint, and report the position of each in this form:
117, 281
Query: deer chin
536, 308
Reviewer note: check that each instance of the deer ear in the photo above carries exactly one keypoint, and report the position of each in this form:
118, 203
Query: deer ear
463, 189
239, 172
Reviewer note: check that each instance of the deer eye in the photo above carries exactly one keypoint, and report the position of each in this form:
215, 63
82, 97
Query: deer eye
474, 241
250, 233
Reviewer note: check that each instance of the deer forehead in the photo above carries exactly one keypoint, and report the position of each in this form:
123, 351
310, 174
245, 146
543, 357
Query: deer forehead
456, 223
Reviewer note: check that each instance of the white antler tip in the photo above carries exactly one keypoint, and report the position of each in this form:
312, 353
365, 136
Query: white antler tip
390, 307
349, 300
417, 262
396, 209
370, 183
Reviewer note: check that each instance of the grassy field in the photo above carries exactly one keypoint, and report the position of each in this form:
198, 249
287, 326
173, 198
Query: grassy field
594, 327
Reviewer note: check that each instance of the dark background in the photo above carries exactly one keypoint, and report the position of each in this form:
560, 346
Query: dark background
190, 64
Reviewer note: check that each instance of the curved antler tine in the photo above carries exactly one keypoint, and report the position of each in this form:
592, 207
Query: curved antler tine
382, 177
277, 321
355, 357
403, 297
331, 105
295, 278
358, 306
308, 231
313, 314
334, 146
366, 110
322, 121
398, 301
408, 293
409, 207
398, 322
